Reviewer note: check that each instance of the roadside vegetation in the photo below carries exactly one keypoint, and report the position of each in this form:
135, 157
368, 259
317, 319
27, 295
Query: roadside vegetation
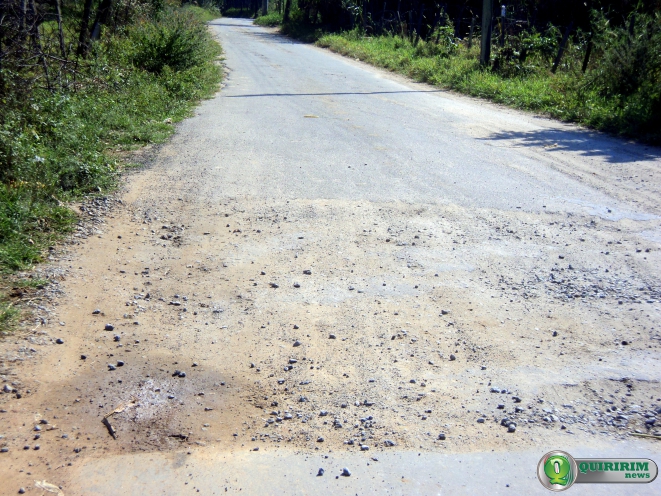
597, 63
82, 83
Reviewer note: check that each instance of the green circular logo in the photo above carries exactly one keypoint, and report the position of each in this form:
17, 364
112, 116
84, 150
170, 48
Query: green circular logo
557, 470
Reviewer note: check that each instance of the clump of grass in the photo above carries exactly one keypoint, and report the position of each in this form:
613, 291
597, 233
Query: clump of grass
8, 317
270, 20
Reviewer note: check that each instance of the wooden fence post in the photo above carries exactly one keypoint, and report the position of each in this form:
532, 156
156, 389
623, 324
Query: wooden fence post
485, 49
561, 49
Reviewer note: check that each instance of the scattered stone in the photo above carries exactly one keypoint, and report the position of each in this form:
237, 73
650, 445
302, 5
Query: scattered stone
96, 312
83, 357
307, 272
332, 336
116, 337
297, 285
7, 389
111, 367
389, 443
320, 439
445, 312
512, 428
345, 472
320, 472
4, 450
21, 491
480, 420
441, 436
120, 363
59, 341
323, 413
109, 327
364, 447
297, 343
452, 358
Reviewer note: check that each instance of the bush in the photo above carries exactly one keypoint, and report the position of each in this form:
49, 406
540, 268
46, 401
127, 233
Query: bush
179, 40
272, 19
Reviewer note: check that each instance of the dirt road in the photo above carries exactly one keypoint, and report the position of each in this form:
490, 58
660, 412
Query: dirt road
328, 267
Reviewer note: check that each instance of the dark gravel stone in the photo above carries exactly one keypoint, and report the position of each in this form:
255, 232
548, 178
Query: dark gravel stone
320, 472
59, 341
345, 472
109, 327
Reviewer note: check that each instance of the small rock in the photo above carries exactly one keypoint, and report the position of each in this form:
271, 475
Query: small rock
297, 343
96, 312
389, 443
445, 312
116, 337
332, 336
320, 472
83, 357
109, 327
7, 389
307, 272
120, 363
111, 367
345, 472
59, 341
364, 447
480, 420
452, 358
320, 439
182, 374
511, 428
441, 436
21, 491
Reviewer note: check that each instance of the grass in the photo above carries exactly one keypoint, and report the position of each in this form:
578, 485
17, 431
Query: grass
63, 146
8, 317
204, 14
269, 20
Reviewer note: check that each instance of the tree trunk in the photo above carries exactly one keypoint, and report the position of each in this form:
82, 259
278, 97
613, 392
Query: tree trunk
285, 16
101, 18
561, 49
36, 42
485, 50
58, 12
83, 38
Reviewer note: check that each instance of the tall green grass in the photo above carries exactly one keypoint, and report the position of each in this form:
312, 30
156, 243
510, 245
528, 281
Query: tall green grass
60, 147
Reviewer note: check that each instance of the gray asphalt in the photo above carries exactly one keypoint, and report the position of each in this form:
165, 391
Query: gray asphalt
313, 125
375, 137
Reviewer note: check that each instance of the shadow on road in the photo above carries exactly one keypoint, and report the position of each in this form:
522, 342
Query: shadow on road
331, 93
585, 143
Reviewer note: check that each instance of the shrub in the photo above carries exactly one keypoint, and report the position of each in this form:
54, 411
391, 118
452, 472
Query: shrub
179, 40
